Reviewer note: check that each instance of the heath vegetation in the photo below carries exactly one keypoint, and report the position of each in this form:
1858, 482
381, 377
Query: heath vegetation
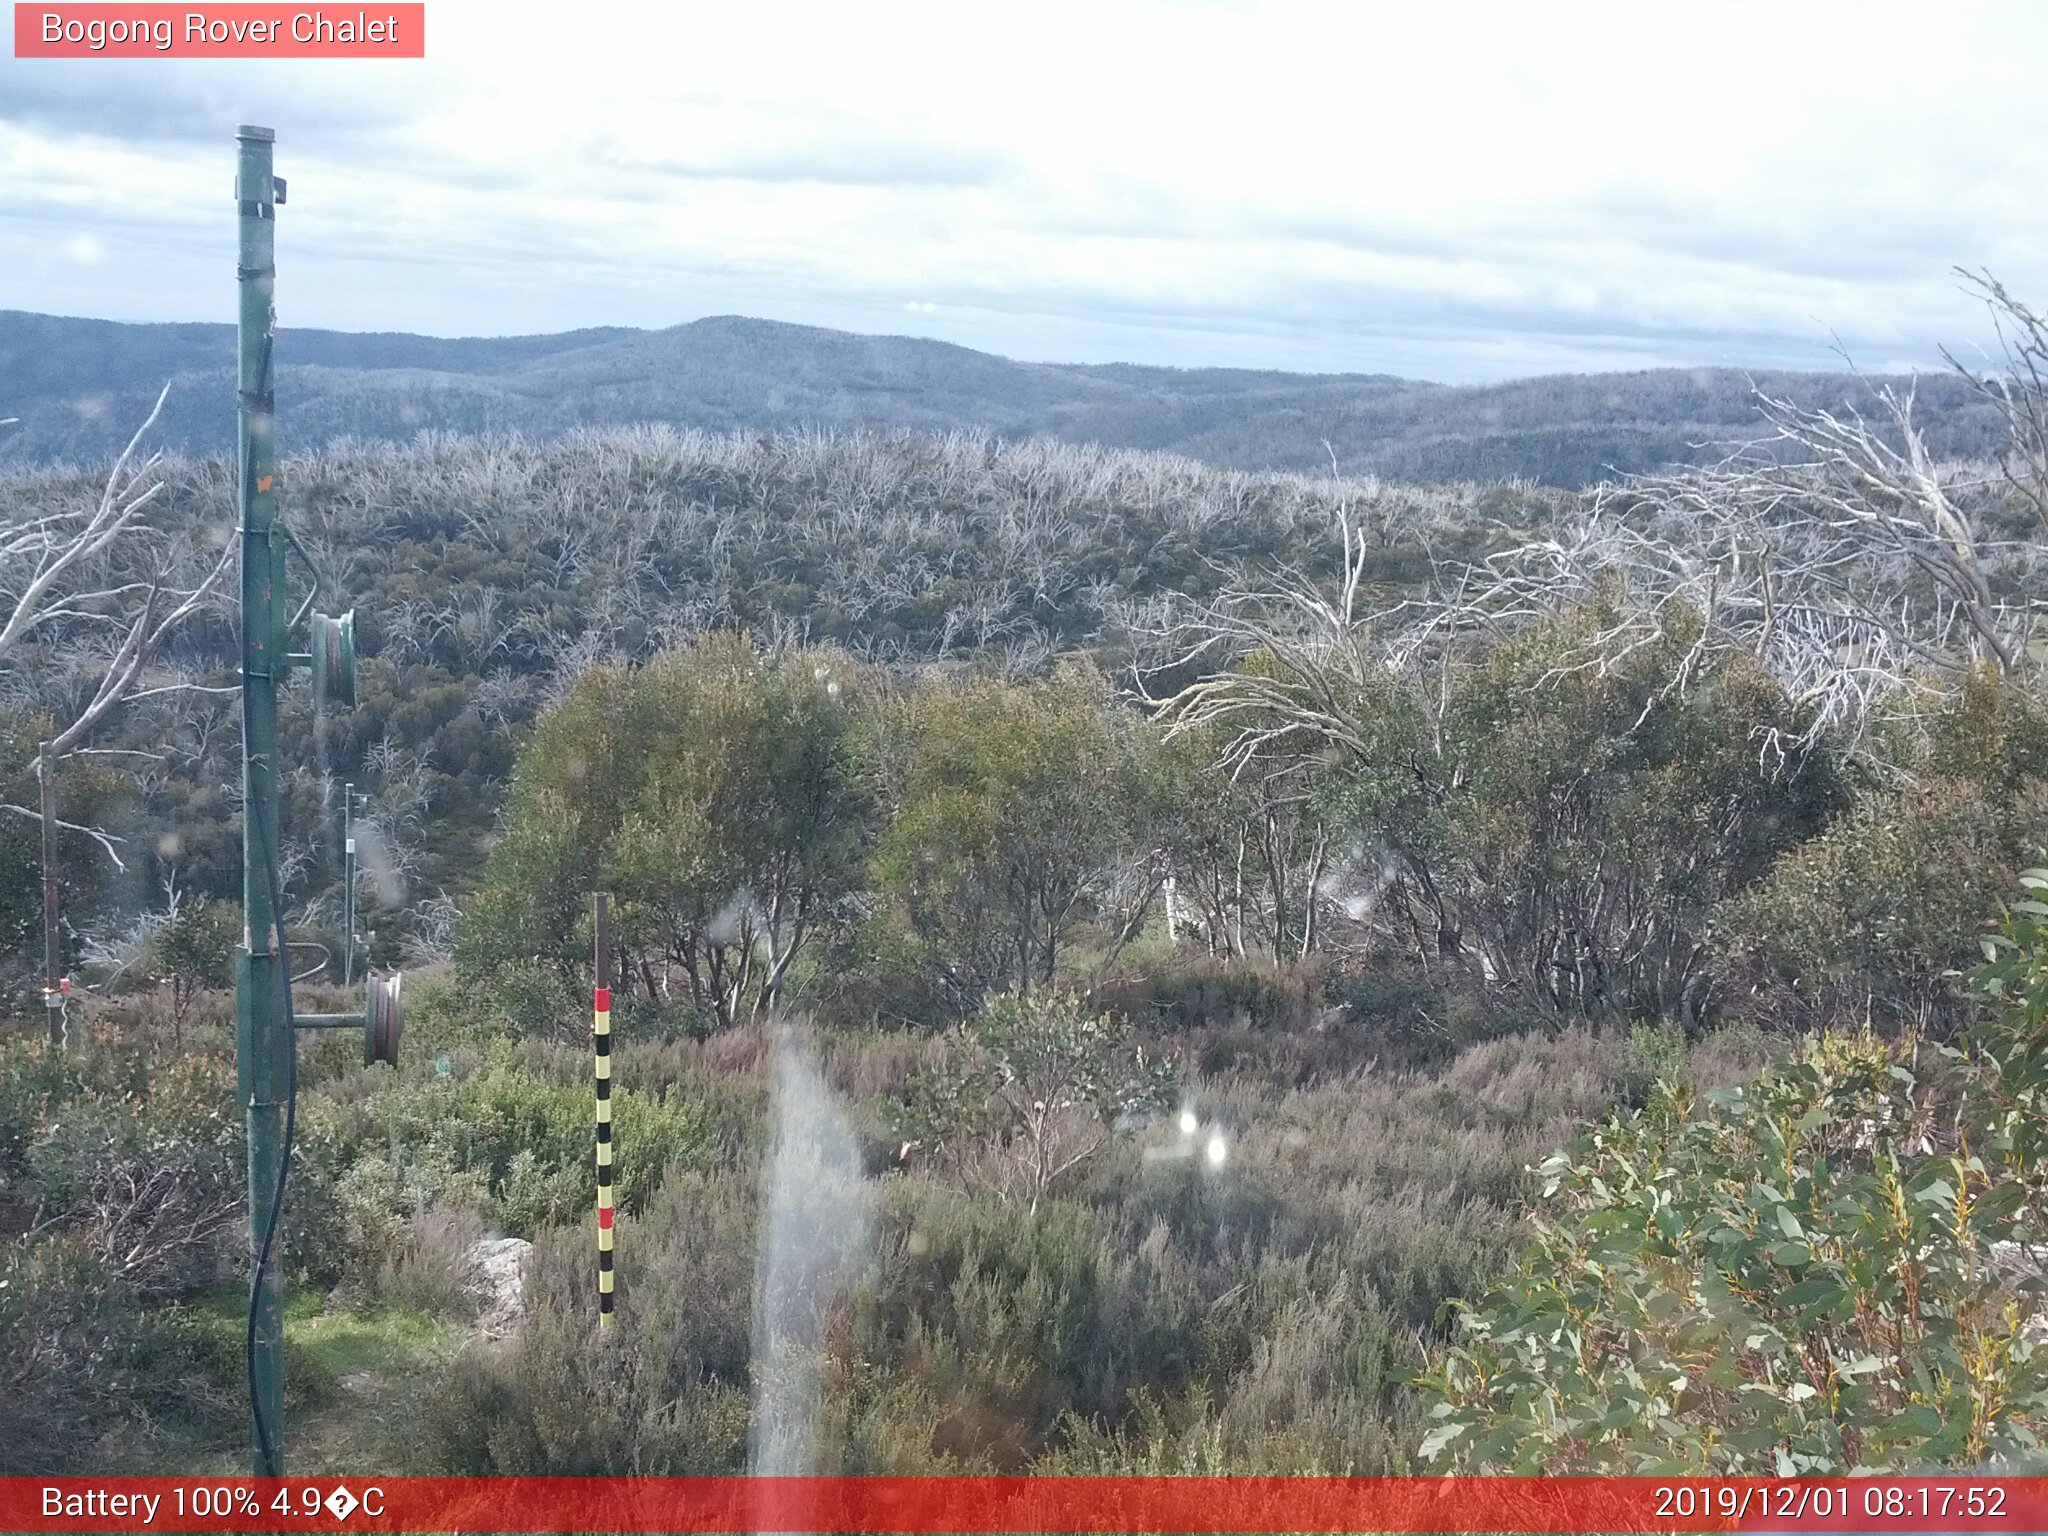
1213, 899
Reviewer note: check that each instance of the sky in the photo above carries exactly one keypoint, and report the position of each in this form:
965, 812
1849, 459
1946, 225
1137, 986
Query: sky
1443, 191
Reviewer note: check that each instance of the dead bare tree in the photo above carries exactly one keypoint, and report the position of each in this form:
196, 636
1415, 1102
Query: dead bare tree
1875, 490
1321, 660
1836, 551
88, 598
2018, 389
115, 618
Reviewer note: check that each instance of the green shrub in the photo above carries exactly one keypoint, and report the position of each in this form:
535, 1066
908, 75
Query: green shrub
1875, 918
1818, 1273
37, 1082
126, 1186
193, 952
717, 791
1013, 808
496, 1137
151, 1182
1029, 1089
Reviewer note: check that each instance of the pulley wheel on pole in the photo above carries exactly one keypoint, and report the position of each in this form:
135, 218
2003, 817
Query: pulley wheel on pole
382, 1018
333, 651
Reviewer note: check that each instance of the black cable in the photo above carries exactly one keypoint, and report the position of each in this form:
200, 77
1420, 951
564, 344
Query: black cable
265, 1440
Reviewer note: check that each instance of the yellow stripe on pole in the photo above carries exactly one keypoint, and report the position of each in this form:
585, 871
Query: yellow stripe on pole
604, 1067
604, 1154
604, 1239
604, 1111
604, 1280
604, 1021
604, 1197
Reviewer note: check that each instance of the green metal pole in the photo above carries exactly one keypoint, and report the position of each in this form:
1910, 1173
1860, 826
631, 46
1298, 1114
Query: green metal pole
262, 1032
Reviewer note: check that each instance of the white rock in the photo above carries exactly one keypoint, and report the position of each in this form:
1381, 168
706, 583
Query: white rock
494, 1271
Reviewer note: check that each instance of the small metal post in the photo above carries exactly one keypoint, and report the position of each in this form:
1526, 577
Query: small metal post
601, 1068
53, 954
348, 885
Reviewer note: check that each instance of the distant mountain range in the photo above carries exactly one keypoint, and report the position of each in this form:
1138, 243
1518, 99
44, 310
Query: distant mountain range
80, 387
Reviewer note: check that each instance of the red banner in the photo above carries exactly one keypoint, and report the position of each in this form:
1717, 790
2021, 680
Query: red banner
1003, 1504
260, 31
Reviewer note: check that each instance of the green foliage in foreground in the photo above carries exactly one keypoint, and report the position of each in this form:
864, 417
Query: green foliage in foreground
1825, 1272
126, 1184
1157, 1312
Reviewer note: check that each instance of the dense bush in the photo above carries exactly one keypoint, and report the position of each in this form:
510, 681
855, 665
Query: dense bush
1579, 822
664, 1394
494, 1135
1823, 1272
1159, 1311
715, 792
1016, 812
124, 1186
92, 1378
1198, 992
1874, 918
193, 953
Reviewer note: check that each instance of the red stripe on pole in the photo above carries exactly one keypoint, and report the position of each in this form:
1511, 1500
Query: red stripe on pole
604, 999
732, 1505
604, 1216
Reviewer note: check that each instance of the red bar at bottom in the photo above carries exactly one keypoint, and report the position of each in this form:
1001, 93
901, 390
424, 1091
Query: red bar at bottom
1024, 1504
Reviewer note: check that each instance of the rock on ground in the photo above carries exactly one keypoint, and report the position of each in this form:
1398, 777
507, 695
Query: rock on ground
494, 1271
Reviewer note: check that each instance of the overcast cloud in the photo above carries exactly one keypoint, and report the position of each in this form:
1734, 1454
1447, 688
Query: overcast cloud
1443, 191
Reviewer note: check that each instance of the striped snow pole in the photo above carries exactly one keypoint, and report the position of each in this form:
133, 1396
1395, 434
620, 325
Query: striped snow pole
601, 1065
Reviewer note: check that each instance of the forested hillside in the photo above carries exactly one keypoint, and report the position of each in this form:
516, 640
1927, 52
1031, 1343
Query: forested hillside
80, 385
1195, 897
488, 573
